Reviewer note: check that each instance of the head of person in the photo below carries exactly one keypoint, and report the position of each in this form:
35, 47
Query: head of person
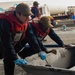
23, 12
35, 3
45, 23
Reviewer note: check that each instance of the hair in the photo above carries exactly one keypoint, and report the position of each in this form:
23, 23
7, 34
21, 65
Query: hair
35, 3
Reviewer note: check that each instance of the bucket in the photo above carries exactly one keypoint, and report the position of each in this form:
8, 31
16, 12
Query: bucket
73, 17
64, 27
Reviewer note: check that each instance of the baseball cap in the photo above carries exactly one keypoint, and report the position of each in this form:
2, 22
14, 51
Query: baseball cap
23, 9
45, 21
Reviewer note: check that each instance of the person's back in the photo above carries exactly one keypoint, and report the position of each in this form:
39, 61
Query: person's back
35, 10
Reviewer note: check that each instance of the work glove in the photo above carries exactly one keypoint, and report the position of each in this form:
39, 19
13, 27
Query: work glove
20, 61
42, 55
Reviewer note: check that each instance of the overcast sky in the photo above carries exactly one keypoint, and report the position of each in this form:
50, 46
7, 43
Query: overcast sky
49, 2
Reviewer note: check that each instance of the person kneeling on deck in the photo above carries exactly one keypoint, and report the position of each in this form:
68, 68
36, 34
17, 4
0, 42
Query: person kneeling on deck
14, 25
42, 28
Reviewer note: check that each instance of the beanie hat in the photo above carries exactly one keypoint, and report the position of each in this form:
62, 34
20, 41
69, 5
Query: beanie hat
23, 9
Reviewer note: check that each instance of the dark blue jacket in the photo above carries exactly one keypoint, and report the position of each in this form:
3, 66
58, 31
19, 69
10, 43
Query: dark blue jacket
35, 12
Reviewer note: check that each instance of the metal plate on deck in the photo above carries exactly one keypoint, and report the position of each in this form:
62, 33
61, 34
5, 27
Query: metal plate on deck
61, 59
42, 70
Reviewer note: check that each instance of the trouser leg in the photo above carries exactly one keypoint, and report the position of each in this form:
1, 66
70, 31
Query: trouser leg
1, 50
8, 66
1, 54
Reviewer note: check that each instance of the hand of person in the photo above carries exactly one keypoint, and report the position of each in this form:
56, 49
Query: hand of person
20, 61
42, 55
51, 51
69, 46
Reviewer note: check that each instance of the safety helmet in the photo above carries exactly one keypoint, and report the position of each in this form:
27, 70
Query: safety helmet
23, 9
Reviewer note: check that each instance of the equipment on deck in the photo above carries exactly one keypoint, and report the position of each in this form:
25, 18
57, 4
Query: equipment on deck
61, 63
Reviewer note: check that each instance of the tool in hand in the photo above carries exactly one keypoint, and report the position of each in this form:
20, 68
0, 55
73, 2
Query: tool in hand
52, 51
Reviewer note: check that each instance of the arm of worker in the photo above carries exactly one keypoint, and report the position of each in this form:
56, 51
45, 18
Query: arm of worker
32, 39
43, 48
7, 40
55, 37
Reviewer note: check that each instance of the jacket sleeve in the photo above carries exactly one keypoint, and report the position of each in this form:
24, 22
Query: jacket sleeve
55, 37
32, 39
6, 39
43, 48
